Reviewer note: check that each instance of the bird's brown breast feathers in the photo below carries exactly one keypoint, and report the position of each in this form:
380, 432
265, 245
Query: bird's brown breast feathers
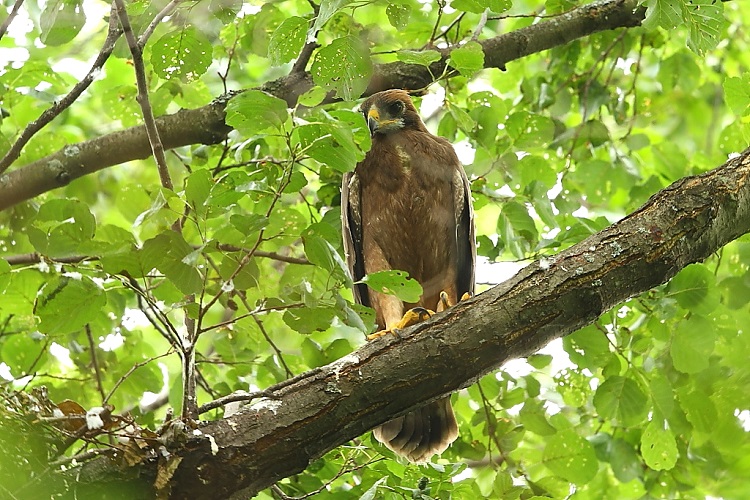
408, 205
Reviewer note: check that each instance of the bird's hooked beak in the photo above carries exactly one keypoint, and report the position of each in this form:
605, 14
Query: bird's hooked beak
373, 120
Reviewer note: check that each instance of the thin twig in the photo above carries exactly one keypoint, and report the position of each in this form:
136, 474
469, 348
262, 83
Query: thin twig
480, 25
59, 106
94, 362
36, 258
170, 7
225, 75
130, 372
9, 19
433, 35
286, 179
81, 456
320, 489
233, 398
152, 132
273, 346
257, 310
634, 89
165, 327
30, 371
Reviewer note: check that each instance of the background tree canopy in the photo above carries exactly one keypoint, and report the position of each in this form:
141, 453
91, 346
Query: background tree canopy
167, 240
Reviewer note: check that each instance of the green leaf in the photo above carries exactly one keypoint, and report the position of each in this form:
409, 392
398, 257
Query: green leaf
736, 291
396, 283
306, 320
625, 461
4, 274
705, 19
737, 94
331, 145
248, 224
479, 6
225, 10
475, 6
61, 21
344, 66
539, 361
167, 252
254, 111
662, 395
664, 13
326, 10
421, 57
312, 97
463, 119
516, 228
534, 168
248, 277
67, 303
21, 350
398, 15
695, 289
571, 457
197, 187
594, 132
529, 130
373, 490
287, 40
692, 344
61, 227
658, 446
321, 253
699, 410
534, 418
467, 59
500, 6
183, 54
588, 348
621, 398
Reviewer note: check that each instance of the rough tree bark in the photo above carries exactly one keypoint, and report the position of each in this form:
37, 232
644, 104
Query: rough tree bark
206, 125
279, 435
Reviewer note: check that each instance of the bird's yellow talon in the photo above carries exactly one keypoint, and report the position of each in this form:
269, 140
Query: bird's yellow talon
410, 318
466, 296
444, 302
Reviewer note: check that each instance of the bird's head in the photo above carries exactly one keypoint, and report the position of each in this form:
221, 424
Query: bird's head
389, 111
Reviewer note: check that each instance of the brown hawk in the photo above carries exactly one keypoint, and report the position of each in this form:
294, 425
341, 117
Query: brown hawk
407, 207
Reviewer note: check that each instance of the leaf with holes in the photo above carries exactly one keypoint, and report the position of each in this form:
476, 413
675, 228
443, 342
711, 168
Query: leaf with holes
287, 40
343, 65
183, 54
571, 457
254, 111
396, 283
658, 446
61, 21
467, 59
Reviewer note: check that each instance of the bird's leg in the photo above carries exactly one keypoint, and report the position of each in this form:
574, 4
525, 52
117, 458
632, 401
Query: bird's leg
410, 318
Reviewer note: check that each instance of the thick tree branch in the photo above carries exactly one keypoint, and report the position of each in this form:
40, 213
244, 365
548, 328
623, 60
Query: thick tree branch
206, 125
194, 126
302, 419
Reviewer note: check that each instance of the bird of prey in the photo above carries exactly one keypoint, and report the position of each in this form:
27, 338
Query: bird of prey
407, 207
